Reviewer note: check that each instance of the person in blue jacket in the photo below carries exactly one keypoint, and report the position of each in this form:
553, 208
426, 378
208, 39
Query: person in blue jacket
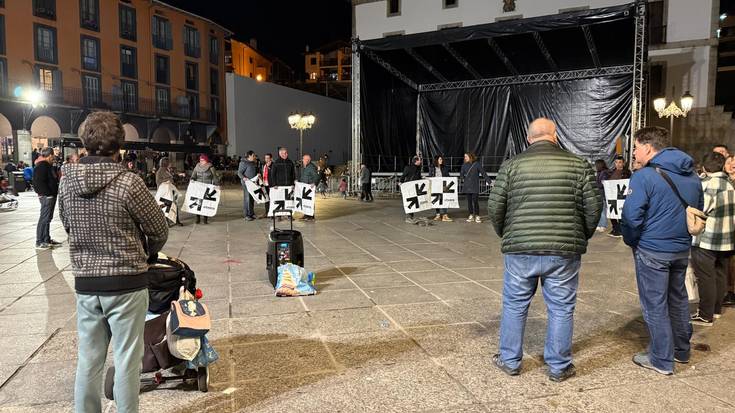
28, 176
654, 225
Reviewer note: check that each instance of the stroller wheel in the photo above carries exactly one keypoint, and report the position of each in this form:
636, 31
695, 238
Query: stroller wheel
203, 379
110, 383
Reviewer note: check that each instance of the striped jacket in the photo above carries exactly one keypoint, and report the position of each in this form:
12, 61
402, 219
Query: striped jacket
719, 205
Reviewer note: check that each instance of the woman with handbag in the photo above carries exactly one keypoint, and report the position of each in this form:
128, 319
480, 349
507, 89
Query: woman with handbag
439, 169
471, 173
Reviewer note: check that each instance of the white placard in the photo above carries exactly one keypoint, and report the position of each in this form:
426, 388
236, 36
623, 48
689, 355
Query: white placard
444, 193
256, 191
304, 199
201, 199
416, 196
615, 193
165, 198
281, 201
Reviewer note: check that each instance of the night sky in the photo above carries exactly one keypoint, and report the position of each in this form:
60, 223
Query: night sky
283, 28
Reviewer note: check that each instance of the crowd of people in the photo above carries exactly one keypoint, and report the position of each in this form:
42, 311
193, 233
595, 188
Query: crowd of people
115, 229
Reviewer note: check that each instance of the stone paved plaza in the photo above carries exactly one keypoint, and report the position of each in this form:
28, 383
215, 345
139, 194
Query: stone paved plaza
406, 320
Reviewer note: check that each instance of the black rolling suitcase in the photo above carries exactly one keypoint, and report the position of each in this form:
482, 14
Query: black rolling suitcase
284, 246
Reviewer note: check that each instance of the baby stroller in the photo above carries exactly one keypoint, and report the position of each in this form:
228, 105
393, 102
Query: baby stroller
166, 277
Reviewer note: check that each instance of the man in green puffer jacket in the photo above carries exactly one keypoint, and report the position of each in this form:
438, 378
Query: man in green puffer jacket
545, 206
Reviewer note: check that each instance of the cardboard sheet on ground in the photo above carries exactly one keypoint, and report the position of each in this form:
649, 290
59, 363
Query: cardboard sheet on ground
281, 201
166, 199
615, 193
201, 199
304, 199
444, 193
256, 190
416, 196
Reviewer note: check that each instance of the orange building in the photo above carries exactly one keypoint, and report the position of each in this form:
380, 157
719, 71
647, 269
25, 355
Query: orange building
332, 62
245, 60
161, 68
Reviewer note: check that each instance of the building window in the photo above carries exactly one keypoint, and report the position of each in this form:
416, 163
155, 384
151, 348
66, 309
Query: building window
191, 42
2, 34
192, 76
45, 43
128, 25
656, 22
214, 116
312, 75
213, 82
313, 61
162, 71
89, 14
44, 8
90, 54
128, 62
193, 99
129, 96
92, 90
394, 8
162, 33
250, 60
448, 4
163, 100
213, 50
3, 77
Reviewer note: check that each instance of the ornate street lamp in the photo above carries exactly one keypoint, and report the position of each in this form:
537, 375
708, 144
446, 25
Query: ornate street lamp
301, 121
671, 110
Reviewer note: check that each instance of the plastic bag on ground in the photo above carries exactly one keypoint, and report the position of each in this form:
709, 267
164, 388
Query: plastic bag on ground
294, 281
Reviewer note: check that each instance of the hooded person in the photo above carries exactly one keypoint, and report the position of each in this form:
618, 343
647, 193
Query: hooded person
205, 173
115, 228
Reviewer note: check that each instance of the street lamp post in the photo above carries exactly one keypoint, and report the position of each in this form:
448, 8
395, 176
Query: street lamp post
671, 110
301, 121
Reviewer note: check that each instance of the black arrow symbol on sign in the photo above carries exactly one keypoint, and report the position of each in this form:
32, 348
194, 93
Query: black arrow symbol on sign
209, 196
166, 204
289, 193
413, 202
613, 206
197, 202
280, 206
305, 193
259, 193
299, 202
437, 198
448, 187
622, 191
421, 190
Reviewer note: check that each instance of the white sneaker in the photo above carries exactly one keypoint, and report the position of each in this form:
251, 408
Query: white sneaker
471, 218
716, 316
601, 229
478, 220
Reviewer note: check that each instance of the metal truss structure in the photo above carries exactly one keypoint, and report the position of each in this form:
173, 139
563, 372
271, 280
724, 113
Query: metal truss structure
640, 58
356, 133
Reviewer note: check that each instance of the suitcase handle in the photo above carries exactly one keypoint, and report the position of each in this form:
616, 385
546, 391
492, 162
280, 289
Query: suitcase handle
290, 218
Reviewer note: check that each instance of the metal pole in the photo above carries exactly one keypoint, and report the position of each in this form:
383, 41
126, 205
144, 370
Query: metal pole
671, 129
301, 144
356, 132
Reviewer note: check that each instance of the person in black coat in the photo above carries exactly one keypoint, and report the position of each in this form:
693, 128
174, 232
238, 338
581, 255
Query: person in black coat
439, 169
283, 171
471, 173
412, 172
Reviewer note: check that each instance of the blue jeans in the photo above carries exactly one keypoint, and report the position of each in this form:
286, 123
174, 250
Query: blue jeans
43, 228
559, 276
603, 215
99, 318
665, 307
248, 207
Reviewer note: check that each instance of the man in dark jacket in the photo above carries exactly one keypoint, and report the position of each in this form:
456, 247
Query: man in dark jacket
46, 184
283, 172
545, 221
366, 192
115, 227
412, 172
309, 175
246, 171
654, 225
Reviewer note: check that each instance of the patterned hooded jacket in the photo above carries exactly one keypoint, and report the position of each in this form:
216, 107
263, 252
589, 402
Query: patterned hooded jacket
114, 225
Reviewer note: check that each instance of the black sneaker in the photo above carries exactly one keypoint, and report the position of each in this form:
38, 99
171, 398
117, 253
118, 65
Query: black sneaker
729, 300
615, 234
503, 367
54, 243
43, 246
680, 361
559, 377
697, 319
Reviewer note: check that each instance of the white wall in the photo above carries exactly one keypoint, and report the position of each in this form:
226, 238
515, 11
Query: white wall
425, 15
257, 115
687, 19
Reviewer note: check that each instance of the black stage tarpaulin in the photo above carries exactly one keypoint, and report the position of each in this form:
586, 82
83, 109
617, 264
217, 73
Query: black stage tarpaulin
478, 87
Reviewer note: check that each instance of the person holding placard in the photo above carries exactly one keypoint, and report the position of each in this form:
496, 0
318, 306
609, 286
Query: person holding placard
310, 176
411, 172
246, 171
438, 170
204, 172
619, 171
